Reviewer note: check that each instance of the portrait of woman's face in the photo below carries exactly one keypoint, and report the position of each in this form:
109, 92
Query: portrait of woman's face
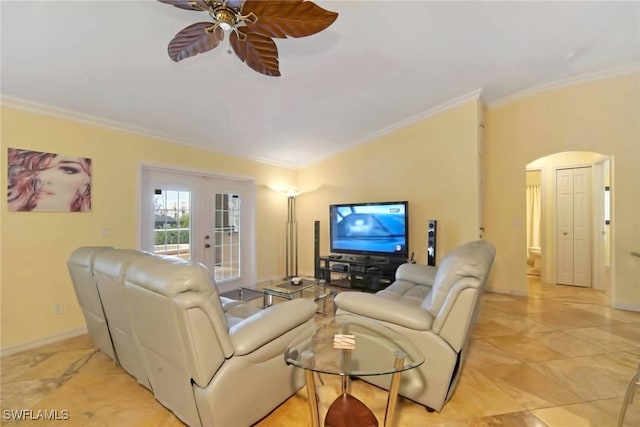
48, 182
60, 184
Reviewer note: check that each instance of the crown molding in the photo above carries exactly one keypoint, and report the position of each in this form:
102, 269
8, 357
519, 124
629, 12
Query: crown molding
62, 113
399, 125
474, 95
571, 81
83, 118
453, 103
119, 126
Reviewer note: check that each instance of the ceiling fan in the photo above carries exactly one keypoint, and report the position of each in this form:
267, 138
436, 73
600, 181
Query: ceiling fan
251, 24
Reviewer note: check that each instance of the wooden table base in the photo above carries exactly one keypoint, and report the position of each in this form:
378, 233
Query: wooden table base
347, 411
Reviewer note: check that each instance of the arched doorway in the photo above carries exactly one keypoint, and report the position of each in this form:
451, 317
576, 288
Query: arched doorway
546, 249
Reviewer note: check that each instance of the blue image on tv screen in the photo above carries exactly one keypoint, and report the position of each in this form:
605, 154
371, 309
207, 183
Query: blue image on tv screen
369, 228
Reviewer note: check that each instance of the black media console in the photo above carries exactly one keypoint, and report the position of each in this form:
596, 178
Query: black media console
359, 272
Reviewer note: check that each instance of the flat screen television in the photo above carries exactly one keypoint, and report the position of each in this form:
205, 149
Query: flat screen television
380, 229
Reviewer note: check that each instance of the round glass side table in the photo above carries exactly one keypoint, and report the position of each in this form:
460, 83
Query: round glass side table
350, 346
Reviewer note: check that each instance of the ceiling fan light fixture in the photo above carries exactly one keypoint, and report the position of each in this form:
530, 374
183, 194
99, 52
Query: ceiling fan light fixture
250, 35
225, 17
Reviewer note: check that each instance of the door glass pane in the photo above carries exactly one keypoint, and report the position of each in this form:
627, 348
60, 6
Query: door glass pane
227, 236
172, 230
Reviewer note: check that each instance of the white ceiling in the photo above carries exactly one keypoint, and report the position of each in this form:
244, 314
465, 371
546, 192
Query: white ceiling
379, 65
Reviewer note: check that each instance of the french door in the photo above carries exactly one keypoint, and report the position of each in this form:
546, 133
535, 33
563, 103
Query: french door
207, 219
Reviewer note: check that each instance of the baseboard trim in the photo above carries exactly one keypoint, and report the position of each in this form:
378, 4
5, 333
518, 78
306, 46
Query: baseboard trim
13, 349
627, 307
508, 292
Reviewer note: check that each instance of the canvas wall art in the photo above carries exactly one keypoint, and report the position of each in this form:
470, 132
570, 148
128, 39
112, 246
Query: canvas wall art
48, 182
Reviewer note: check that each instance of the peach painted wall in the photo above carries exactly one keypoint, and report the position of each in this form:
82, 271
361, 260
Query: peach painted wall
36, 245
433, 164
601, 116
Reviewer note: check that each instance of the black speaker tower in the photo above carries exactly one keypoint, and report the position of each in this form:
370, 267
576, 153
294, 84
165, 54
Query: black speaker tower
316, 249
432, 226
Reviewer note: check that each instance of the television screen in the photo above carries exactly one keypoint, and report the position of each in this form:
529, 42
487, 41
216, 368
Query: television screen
369, 228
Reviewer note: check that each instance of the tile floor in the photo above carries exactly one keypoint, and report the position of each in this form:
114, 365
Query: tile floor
561, 357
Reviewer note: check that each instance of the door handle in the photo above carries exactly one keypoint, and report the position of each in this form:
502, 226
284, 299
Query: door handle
206, 245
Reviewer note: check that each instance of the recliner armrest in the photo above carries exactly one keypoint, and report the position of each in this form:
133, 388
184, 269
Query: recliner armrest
417, 273
228, 303
270, 323
393, 311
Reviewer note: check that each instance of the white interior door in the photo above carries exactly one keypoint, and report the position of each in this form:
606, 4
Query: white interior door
205, 219
573, 204
564, 223
582, 227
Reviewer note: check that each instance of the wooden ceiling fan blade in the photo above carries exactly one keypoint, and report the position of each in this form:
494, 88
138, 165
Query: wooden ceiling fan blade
259, 52
186, 4
194, 39
287, 18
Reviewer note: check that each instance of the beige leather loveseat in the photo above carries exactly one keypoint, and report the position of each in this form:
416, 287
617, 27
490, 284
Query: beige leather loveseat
435, 308
210, 360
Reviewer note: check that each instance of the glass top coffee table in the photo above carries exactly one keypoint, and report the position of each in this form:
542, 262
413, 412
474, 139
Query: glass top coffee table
312, 289
348, 345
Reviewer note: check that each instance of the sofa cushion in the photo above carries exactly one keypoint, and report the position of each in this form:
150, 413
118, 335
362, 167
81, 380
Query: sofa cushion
397, 311
407, 291
472, 259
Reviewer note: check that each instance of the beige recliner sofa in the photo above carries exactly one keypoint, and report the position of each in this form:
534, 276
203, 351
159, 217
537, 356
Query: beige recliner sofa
80, 266
435, 307
212, 361
110, 268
